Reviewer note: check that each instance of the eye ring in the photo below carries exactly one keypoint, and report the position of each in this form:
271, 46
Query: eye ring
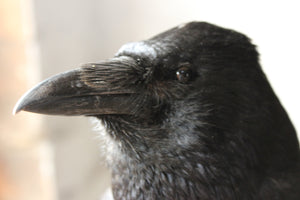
184, 74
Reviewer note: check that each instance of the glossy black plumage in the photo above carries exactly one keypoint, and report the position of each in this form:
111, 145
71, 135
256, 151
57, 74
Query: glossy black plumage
189, 114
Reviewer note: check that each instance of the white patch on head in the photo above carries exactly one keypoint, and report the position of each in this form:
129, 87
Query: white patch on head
138, 48
110, 148
182, 25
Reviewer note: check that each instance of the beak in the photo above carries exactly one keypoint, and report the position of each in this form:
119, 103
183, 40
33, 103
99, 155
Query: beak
94, 89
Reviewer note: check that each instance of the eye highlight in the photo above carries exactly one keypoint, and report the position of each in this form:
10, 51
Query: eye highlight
184, 74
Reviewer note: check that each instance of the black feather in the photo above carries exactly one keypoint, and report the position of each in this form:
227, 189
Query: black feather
222, 135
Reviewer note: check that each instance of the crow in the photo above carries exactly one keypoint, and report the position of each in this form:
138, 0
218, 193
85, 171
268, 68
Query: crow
187, 114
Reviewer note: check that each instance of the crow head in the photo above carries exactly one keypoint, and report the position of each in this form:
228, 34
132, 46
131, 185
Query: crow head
192, 99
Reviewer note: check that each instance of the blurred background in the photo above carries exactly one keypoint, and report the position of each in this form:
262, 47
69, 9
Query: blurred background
58, 158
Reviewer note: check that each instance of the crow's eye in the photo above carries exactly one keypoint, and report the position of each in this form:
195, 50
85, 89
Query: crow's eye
184, 74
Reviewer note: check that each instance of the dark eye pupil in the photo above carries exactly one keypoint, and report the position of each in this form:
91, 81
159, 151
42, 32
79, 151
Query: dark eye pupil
183, 74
